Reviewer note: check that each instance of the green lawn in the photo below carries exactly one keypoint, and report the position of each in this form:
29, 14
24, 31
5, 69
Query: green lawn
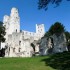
34, 63
59, 61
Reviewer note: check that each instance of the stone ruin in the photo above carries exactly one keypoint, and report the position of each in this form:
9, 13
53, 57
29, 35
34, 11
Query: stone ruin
53, 44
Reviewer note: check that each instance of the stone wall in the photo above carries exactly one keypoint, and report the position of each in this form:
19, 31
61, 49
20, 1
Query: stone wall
53, 44
59, 43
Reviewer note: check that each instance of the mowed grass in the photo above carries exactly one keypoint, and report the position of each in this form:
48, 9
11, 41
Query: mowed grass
33, 63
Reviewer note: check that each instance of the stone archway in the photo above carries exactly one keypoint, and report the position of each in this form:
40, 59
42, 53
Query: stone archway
33, 46
50, 45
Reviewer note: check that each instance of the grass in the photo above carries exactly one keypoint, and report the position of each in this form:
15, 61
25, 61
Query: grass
59, 61
34, 63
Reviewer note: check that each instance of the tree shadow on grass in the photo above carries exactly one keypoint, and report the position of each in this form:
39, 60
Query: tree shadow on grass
59, 61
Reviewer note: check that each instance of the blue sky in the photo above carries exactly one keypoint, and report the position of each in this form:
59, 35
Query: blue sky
30, 15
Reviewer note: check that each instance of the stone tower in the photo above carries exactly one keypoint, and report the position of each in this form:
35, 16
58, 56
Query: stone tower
40, 30
12, 23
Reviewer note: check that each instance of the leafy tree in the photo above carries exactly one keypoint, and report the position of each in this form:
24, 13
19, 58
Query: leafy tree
56, 28
43, 4
47, 34
2, 33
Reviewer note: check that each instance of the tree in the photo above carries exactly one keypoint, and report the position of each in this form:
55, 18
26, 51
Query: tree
43, 4
2, 33
56, 28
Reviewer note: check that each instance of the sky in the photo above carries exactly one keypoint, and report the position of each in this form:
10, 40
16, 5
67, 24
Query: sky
30, 15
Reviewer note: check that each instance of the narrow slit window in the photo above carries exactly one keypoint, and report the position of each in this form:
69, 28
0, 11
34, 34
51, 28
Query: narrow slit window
19, 42
19, 49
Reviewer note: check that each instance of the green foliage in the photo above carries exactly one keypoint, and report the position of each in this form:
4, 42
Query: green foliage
59, 61
2, 32
43, 4
56, 28
47, 34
